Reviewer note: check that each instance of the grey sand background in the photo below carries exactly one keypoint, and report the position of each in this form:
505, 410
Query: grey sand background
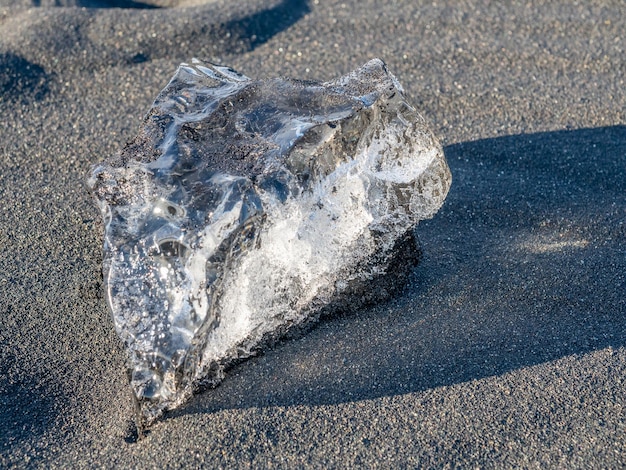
507, 348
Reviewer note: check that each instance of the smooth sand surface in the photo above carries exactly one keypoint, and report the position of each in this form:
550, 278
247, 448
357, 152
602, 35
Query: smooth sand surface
507, 348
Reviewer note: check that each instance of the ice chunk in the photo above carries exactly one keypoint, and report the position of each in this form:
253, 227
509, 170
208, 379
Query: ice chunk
246, 207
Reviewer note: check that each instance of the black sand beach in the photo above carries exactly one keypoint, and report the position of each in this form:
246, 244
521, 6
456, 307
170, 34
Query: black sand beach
507, 347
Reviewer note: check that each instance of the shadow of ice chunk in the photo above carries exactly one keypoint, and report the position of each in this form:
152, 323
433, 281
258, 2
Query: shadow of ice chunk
246, 207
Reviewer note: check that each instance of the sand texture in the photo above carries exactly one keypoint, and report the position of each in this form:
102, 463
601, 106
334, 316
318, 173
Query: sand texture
506, 349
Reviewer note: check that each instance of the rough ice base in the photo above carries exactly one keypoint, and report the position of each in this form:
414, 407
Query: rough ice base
246, 207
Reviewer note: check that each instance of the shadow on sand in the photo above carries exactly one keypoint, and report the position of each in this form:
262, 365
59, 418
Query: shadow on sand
27, 408
197, 32
524, 264
21, 79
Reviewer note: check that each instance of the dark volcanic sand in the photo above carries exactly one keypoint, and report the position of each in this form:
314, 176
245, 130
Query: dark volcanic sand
507, 348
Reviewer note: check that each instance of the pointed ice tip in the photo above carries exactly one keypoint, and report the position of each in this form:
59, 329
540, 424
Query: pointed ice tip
368, 82
376, 63
380, 66
247, 207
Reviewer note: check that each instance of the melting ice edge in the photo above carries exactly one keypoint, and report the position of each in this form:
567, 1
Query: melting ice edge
246, 207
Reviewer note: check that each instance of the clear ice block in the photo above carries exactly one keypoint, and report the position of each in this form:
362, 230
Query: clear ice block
244, 208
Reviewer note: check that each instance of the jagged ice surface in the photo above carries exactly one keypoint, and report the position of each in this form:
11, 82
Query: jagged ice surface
246, 207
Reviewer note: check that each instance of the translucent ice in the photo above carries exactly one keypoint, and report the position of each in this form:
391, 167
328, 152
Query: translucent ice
246, 207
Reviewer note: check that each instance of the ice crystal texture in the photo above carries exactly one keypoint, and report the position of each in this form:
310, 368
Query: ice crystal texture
246, 207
